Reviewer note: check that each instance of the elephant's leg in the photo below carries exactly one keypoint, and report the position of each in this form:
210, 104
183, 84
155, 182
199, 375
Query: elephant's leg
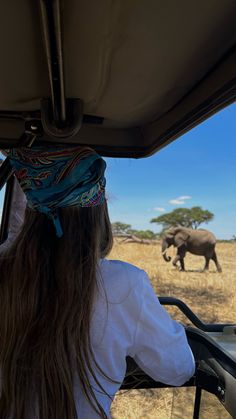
176, 259
214, 257
180, 258
182, 264
207, 260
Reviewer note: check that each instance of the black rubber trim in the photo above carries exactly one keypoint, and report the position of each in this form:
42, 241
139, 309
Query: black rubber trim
214, 103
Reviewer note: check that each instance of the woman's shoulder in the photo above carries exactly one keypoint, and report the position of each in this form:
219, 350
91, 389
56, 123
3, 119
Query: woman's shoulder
120, 278
120, 267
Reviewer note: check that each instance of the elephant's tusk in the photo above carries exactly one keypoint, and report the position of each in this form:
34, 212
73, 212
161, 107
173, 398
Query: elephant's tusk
164, 252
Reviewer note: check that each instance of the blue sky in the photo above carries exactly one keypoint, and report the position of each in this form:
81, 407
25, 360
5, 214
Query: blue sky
199, 167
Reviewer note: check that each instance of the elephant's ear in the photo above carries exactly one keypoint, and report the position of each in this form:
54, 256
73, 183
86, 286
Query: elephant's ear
181, 238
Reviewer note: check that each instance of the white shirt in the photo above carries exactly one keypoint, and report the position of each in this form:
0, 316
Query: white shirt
133, 323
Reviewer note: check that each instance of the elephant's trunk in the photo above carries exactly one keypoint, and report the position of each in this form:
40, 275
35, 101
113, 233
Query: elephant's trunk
164, 249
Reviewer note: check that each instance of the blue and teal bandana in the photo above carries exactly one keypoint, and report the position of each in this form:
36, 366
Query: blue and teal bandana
56, 177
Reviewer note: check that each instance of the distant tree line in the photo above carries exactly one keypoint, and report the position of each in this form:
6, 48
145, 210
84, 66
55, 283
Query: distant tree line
122, 229
185, 217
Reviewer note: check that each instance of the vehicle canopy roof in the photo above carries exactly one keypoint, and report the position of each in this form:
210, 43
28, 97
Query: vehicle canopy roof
145, 72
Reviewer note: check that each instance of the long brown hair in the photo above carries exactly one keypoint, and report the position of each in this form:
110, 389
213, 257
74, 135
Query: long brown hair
47, 290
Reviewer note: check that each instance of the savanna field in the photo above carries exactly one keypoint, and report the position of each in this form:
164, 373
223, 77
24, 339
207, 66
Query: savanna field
210, 295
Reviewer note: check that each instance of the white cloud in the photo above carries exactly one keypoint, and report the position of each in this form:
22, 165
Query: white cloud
160, 209
184, 197
180, 200
176, 201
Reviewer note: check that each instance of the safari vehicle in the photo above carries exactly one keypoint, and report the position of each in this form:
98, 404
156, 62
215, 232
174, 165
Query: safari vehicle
126, 78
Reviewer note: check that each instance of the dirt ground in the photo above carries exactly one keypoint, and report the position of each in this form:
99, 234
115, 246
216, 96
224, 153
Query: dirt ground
210, 295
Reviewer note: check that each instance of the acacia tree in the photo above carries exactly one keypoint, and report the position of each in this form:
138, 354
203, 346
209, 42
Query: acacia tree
120, 228
185, 217
144, 234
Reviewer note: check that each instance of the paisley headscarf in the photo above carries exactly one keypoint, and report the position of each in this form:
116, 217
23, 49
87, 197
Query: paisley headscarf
55, 177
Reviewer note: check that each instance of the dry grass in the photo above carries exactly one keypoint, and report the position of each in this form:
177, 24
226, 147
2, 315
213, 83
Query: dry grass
210, 295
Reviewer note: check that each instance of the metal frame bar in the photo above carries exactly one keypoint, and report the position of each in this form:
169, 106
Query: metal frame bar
51, 27
5, 173
26, 140
6, 210
61, 118
197, 402
32, 131
206, 327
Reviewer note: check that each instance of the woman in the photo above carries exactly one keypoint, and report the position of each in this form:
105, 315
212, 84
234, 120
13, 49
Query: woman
69, 317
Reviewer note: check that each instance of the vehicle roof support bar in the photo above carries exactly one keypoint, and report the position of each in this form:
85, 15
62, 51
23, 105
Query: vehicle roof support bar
51, 27
61, 117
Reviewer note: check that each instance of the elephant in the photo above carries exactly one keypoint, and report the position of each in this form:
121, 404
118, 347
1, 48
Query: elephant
198, 242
